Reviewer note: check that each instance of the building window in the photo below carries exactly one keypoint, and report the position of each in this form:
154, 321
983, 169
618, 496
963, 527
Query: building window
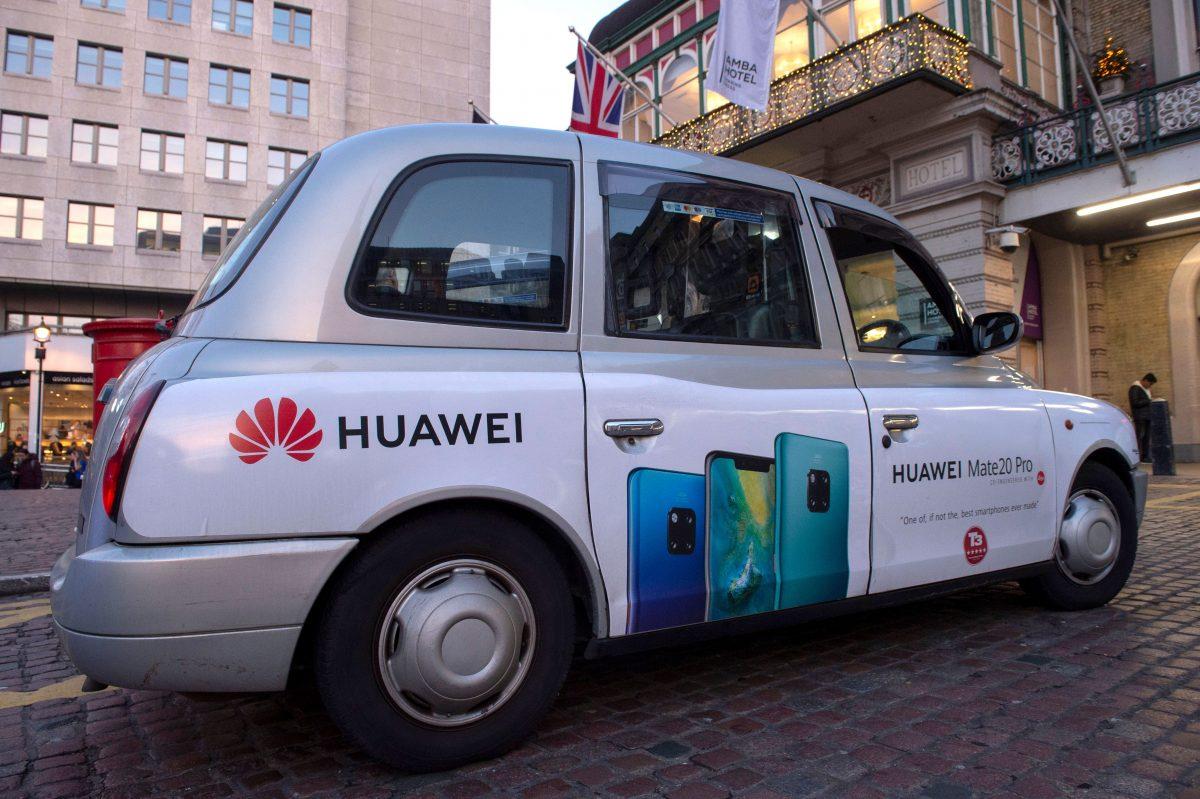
26, 54
171, 11
21, 217
70, 325
94, 144
637, 122
97, 65
90, 224
218, 232
162, 152
289, 96
166, 76
158, 230
850, 20
225, 160
233, 16
105, 5
1040, 45
23, 134
282, 163
229, 86
680, 87
290, 25
791, 40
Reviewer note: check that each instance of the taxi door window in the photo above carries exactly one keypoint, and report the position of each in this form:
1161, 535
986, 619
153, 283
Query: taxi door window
898, 301
471, 241
701, 259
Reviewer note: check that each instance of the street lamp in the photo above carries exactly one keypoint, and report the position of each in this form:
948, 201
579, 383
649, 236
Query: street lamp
41, 337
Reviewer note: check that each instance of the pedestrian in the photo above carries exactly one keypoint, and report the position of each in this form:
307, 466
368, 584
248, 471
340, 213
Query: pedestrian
29, 473
7, 465
1139, 408
74, 472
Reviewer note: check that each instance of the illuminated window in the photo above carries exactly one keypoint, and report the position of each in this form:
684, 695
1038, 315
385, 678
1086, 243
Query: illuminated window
21, 217
90, 224
1040, 43
791, 39
680, 86
637, 122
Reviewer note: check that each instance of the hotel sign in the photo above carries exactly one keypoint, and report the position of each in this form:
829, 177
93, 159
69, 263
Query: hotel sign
944, 168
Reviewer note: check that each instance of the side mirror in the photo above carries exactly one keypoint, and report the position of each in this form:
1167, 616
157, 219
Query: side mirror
995, 331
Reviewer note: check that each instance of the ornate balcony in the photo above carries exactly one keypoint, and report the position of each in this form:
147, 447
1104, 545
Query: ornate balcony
912, 47
1143, 121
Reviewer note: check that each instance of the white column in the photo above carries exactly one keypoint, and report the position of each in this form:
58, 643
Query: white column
34, 440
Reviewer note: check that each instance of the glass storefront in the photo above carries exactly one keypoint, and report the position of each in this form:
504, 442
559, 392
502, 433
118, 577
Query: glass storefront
67, 413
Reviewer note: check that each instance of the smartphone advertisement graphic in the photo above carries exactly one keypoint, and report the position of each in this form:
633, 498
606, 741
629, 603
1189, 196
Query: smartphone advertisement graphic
741, 535
666, 549
812, 526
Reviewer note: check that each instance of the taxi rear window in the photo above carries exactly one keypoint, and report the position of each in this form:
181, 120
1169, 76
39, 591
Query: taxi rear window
242, 248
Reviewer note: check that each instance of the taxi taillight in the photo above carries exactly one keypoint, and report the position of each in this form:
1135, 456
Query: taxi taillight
129, 428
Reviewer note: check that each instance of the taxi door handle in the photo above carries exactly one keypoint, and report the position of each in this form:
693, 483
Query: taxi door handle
896, 422
633, 428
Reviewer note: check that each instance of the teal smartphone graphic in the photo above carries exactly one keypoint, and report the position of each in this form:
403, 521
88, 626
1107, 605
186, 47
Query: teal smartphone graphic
666, 549
741, 535
812, 519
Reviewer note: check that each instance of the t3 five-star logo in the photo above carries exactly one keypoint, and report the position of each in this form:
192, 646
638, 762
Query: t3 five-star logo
274, 426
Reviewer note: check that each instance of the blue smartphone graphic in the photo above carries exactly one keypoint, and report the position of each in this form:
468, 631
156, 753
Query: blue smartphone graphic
741, 535
812, 531
666, 549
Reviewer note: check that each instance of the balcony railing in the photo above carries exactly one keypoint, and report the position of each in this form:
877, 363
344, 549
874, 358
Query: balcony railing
1143, 121
915, 44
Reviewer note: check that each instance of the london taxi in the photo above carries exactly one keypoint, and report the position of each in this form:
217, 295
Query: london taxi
458, 398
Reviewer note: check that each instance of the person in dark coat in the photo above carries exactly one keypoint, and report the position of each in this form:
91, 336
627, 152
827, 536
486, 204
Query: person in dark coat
7, 464
1139, 408
29, 473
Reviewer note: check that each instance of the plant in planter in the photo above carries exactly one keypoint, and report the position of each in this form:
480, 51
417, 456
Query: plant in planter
1112, 68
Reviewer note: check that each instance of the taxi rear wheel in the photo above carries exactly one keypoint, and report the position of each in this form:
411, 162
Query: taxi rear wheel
445, 640
1096, 544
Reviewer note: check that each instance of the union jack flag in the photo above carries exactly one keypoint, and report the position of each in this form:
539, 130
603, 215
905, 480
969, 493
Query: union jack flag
598, 97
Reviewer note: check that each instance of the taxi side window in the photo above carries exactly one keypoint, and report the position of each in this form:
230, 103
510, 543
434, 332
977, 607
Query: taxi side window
898, 302
700, 259
471, 241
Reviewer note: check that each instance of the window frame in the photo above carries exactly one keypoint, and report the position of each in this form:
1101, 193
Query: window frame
168, 62
926, 269
31, 40
102, 50
804, 269
111, 6
233, 18
94, 143
162, 151
25, 136
91, 225
224, 238
292, 12
159, 230
287, 153
21, 217
229, 72
289, 96
169, 8
364, 245
227, 160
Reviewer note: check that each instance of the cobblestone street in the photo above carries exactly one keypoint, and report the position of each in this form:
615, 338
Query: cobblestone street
978, 694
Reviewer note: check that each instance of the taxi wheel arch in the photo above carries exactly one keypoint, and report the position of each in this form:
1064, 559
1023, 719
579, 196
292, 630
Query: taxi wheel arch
1103, 483
349, 628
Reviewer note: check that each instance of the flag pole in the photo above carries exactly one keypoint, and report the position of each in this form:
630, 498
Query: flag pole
624, 78
482, 113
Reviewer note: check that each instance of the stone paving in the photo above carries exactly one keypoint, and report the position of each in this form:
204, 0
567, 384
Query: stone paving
35, 528
978, 694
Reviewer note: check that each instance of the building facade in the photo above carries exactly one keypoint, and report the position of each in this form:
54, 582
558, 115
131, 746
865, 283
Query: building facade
139, 134
960, 116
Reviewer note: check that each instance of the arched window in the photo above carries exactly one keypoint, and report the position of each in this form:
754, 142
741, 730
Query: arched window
791, 39
680, 90
637, 118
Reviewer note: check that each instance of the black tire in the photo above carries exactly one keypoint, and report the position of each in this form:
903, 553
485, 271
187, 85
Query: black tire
1054, 588
348, 676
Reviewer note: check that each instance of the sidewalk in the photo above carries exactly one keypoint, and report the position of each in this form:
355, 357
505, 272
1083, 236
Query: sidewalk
35, 528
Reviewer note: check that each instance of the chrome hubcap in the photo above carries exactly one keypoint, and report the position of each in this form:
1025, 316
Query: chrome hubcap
456, 642
1089, 539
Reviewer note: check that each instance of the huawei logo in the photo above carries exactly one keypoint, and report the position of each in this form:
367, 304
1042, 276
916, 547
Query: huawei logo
273, 426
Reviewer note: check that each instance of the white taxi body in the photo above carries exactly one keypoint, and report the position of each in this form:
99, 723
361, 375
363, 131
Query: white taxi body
458, 397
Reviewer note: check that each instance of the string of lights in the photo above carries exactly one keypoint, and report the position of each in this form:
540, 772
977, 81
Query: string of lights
910, 45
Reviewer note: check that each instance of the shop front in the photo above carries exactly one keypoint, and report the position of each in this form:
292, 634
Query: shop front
64, 395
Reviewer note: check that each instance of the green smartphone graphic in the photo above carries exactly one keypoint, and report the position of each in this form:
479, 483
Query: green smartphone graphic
741, 535
812, 519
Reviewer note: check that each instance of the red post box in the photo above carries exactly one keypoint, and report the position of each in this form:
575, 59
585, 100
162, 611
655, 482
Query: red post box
116, 342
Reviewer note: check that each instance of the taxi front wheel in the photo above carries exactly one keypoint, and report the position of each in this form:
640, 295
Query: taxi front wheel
445, 640
1096, 544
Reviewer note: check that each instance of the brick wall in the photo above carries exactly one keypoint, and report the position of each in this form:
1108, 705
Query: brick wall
1137, 328
1128, 22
